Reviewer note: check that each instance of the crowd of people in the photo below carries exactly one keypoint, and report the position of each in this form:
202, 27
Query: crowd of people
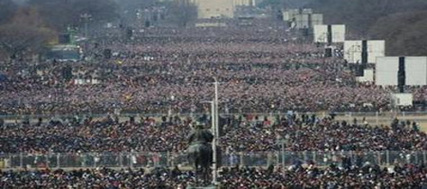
170, 71
163, 70
238, 134
296, 176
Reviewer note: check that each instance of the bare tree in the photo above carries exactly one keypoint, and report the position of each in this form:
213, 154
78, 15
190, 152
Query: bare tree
182, 12
24, 34
60, 14
401, 23
15, 39
404, 32
360, 15
7, 9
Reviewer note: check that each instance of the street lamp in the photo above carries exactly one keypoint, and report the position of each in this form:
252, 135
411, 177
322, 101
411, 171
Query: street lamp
215, 131
216, 110
214, 142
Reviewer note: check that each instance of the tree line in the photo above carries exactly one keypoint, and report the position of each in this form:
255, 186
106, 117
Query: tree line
401, 23
27, 28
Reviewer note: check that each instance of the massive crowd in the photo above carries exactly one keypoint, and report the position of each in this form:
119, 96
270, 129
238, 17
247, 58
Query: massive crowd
163, 70
297, 176
171, 70
250, 134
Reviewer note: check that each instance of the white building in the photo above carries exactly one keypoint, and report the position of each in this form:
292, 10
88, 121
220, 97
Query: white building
219, 8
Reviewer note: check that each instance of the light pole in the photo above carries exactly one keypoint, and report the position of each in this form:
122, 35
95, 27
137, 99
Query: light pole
214, 142
215, 130
282, 142
216, 110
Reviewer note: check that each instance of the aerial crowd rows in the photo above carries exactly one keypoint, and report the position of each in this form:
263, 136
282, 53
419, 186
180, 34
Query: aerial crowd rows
160, 71
167, 70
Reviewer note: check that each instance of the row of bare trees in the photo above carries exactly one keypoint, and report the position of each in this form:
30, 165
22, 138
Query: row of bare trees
401, 23
26, 29
23, 33
182, 12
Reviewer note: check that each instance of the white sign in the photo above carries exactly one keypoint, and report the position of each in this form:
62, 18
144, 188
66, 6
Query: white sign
321, 33
386, 70
289, 15
353, 50
403, 99
416, 70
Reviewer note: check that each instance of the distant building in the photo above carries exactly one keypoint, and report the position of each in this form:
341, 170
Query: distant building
219, 8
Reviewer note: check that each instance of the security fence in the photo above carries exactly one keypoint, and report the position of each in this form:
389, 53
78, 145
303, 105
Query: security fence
167, 159
371, 117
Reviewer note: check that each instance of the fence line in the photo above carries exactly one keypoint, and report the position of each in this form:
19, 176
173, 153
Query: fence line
168, 159
319, 113
370, 117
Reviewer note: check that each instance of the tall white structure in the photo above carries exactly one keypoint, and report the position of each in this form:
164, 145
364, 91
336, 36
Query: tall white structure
416, 70
387, 68
289, 15
329, 33
307, 20
354, 50
302, 18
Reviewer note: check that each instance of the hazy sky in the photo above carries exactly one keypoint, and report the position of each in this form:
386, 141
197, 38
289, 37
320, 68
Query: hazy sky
19, 1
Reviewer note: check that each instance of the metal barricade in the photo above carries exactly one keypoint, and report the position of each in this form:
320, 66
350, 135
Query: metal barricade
166, 159
254, 159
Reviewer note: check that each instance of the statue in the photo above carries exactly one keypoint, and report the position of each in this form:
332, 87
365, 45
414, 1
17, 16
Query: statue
200, 150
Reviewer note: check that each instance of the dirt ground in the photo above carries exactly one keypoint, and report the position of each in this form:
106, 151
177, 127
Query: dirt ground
386, 120
423, 126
